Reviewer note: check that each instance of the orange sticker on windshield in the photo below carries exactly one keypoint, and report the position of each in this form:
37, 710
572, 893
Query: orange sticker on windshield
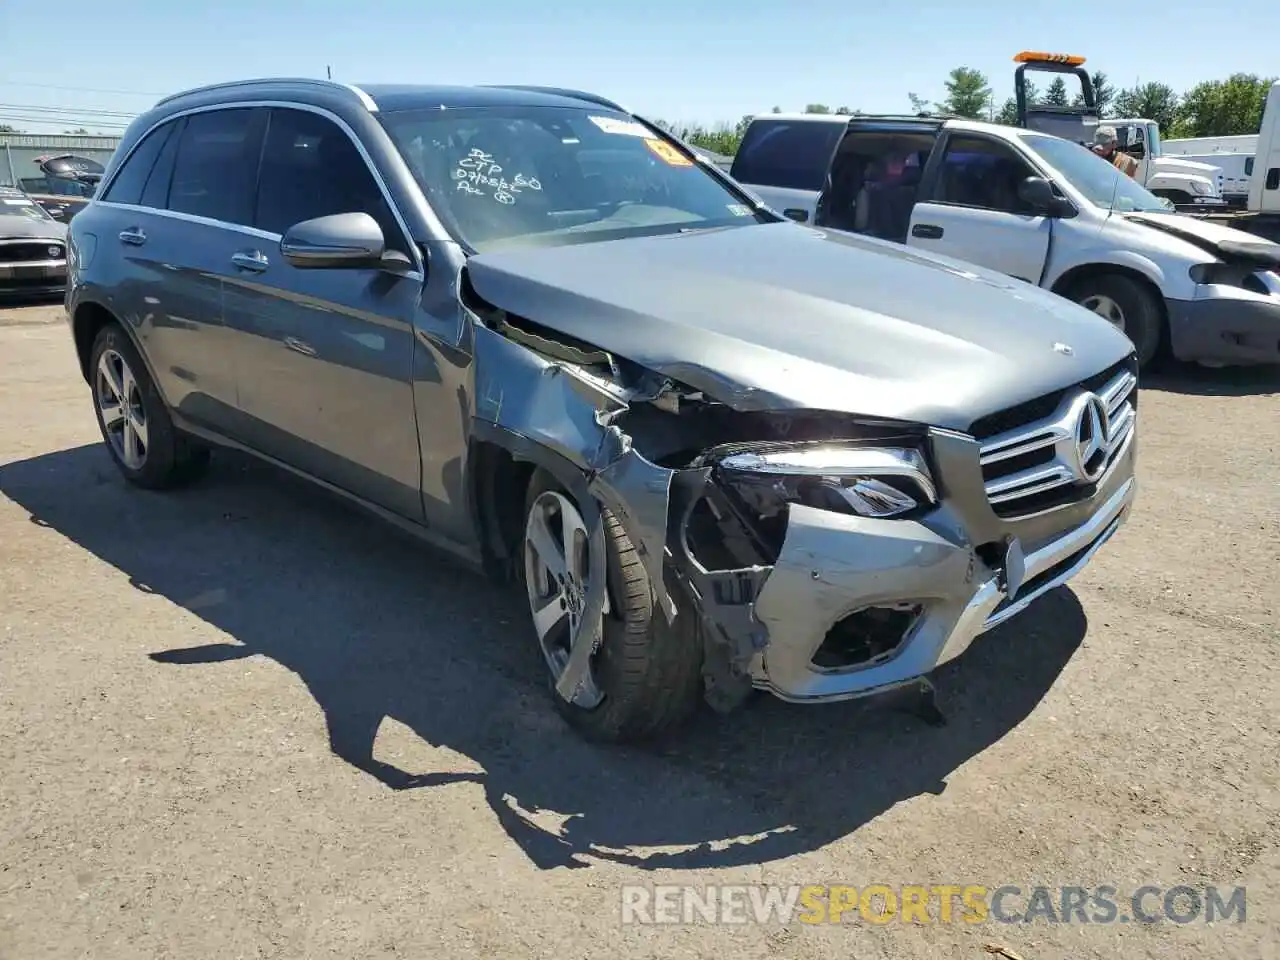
667, 152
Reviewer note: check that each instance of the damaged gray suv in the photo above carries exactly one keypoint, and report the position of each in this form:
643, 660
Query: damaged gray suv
716, 449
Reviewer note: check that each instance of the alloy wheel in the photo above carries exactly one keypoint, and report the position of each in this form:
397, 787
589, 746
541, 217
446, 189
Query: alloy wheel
557, 562
124, 419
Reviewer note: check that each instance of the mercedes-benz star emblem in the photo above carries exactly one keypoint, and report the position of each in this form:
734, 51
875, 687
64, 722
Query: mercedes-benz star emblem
1063, 348
1091, 439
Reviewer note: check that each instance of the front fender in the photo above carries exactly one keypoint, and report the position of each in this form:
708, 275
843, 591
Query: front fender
1169, 283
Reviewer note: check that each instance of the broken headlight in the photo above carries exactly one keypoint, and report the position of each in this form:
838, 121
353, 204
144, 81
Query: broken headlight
867, 481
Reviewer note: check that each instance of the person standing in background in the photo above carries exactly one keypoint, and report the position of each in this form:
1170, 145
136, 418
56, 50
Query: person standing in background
1107, 145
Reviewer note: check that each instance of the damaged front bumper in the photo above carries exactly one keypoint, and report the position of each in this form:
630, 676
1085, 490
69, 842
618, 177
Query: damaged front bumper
832, 567
1229, 325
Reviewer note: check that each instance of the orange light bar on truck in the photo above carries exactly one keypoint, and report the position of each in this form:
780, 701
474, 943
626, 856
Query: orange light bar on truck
1034, 56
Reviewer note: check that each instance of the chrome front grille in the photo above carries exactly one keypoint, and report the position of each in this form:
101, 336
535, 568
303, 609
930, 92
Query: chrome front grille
1059, 458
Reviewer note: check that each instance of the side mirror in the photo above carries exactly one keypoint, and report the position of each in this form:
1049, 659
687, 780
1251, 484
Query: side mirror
1037, 193
339, 241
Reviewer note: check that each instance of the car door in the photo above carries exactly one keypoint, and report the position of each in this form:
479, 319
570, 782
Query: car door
327, 382
784, 161
974, 213
178, 203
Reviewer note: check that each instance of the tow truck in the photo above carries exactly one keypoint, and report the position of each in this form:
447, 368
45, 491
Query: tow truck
1189, 185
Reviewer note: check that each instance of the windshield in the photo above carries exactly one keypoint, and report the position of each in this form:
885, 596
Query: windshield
1101, 183
13, 206
550, 176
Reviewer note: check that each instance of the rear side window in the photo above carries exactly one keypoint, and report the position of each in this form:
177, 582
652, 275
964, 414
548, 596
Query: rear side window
128, 184
217, 165
787, 153
156, 193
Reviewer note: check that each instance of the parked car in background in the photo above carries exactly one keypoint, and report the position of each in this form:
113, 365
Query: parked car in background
67, 183
33, 259
1037, 207
719, 450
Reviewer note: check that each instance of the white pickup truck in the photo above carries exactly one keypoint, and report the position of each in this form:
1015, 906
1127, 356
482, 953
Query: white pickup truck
1038, 207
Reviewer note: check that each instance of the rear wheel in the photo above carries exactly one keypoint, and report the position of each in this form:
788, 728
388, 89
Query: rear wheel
645, 679
134, 420
1128, 305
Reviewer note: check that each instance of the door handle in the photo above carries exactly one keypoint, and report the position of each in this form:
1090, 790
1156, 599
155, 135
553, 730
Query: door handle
797, 214
133, 236
254, 260
927, 231
300, 346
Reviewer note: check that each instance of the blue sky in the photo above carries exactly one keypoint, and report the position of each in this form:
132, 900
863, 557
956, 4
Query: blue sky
693, 60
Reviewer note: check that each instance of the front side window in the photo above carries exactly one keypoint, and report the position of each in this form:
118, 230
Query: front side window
983, 173
787, 153
310, 168
556, 175
1093, 177
128, 183
216, 167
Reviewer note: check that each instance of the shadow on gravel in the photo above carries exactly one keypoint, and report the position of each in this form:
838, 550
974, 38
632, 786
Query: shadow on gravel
1191, 379
378, 627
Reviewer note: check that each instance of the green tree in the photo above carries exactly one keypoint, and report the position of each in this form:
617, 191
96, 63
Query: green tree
1152, 101
1104, 94
1056, 95
918, 104
1224, 108
817, 108
848, 111
776, 110
5, 128
1008, 113
77, 130
968, 93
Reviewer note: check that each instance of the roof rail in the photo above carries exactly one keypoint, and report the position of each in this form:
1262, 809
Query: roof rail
560, 92
366, 101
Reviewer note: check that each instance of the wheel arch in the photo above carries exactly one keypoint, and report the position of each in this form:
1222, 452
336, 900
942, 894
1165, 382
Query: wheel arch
501, 464
87, 321
1079, 275
1076, 275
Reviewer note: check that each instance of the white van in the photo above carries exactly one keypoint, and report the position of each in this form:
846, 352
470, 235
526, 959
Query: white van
1034, 206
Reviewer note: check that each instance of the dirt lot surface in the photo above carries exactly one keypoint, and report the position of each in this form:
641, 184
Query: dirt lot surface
194, 688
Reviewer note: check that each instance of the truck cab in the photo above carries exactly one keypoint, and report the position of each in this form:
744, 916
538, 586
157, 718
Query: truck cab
1040, 208
1186, 182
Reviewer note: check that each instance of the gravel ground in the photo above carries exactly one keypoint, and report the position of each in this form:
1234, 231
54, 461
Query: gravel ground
246, 721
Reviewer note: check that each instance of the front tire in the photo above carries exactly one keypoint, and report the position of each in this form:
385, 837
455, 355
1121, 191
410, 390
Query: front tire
135, 423
1129, 306
646, 677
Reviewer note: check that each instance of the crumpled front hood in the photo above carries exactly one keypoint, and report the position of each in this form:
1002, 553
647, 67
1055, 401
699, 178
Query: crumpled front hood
782, 316
1214, 238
